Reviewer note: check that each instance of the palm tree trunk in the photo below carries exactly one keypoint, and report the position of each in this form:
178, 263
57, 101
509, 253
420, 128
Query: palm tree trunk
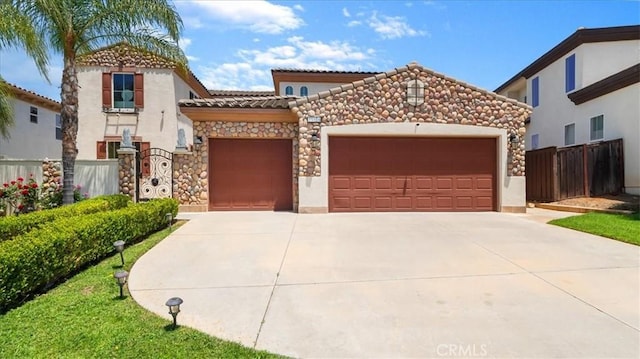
69, 116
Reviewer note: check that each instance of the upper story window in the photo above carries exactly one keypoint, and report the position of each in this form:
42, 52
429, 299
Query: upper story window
535, 92
58, 127
288, 91
122, 91
192, 95
570, 73
304, 91
597, 128
33, 114
570, 134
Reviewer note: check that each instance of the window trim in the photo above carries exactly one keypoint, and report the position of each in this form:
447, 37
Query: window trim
33, 114
591, 139
58, 126
288, 91
570, 73
535, 144
574, 134
535, 91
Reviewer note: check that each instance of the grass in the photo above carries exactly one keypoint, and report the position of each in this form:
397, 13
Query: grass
625, 228
84, 318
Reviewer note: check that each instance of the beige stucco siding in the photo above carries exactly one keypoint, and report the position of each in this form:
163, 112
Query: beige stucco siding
31, 140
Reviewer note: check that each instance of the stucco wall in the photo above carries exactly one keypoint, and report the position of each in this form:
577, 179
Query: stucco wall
313, 87
603, 59
31, 140
158, 122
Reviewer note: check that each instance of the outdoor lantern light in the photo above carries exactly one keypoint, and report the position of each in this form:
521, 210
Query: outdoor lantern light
174, 308
169, 218
514, 139
119, 246
121, 279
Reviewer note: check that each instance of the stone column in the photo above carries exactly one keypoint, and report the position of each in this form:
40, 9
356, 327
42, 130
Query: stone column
188, 178
127, 171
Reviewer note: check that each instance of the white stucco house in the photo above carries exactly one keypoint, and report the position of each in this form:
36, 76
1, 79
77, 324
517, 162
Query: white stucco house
584, 90
126, 88
37, 130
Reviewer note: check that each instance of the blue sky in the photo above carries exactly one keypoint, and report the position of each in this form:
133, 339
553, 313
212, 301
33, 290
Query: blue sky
235, 44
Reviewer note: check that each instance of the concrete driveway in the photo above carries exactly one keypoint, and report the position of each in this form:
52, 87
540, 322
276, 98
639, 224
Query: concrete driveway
398, 285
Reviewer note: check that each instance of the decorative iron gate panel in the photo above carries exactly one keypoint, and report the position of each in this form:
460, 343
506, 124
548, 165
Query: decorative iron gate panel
155, 174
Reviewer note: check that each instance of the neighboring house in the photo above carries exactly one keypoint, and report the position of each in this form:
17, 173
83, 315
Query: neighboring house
37, 129
584, 90
121, 88
405, 140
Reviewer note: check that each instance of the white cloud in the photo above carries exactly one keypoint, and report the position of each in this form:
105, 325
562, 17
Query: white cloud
345, 12
253, 70
354, 23
183, 43
298, 7
191, 22
257, 16
392, 27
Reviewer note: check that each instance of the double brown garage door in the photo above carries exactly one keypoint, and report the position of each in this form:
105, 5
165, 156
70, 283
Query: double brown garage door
251, 174
411, 174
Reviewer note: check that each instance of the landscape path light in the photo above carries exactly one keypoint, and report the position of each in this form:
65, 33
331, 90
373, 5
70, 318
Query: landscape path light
174, 308
121, 279
169, 218
119, 246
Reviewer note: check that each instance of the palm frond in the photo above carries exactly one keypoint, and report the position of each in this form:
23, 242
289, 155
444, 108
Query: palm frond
6, 109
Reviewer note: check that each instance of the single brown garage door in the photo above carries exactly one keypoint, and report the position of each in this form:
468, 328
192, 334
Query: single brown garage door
411, 174
250, 174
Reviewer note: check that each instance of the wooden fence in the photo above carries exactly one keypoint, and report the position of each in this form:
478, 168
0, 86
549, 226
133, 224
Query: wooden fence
554, 174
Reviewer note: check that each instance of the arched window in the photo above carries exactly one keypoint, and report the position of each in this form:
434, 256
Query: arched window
288, 90
304, 91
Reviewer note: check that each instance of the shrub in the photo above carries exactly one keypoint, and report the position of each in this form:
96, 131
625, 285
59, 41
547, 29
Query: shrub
52, 196
16, 225
44, 256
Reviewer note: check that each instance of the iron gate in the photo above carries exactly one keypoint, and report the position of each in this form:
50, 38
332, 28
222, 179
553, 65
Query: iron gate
155, 174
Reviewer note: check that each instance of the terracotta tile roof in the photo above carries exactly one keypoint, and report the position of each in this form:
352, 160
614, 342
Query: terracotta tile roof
312, 71
295, 102
272, 102
34, 98
240, 93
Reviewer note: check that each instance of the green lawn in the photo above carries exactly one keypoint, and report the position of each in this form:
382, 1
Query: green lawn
625, 228
84, 318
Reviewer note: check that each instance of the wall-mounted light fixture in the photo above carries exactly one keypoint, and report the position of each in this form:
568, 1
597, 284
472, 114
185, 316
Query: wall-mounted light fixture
197, 142
514, 140
315, 136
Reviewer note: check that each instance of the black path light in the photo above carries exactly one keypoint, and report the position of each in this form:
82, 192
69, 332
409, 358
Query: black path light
174, 308
119, 246
169, 218
121, 279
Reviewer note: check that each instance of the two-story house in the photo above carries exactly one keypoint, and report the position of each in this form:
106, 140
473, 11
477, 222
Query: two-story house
585, 90
126, 88
37, 129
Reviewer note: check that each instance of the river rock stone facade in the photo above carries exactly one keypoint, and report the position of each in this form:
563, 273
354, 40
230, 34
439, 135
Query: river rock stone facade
190, 171
51, 175
382, 99
127, 172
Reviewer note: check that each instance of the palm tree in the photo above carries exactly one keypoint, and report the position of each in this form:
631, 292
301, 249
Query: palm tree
16, 31
73, 28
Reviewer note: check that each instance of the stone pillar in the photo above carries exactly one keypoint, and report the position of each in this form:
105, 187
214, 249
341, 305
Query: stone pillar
127, 172
51, 175
189, 180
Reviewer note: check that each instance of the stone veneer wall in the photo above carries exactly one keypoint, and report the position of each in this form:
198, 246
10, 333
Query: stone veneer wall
382, 100
51, 175
191, 179
127, 172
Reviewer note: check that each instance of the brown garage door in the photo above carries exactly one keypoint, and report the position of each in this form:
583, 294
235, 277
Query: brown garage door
250, 174
411, 174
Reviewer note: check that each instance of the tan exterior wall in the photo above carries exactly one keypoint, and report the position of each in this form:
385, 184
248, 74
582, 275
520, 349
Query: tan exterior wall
158, 122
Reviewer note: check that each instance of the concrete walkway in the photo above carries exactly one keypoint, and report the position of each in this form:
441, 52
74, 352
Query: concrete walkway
398, 285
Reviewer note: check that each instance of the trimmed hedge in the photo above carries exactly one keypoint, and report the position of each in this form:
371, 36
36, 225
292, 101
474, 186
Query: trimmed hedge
46, 255
13, 226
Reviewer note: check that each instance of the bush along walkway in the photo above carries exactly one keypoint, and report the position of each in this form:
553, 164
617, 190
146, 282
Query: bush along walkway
85, 318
